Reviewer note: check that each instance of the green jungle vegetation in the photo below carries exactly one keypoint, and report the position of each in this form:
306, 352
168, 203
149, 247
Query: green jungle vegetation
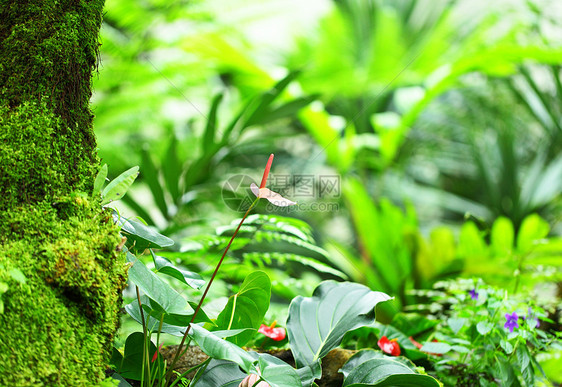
280, 193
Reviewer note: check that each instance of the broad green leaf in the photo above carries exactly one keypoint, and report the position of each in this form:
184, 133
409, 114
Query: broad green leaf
164, 266
532, 229
119, 186
247, 308
370, 368
139, 236
220, 349
155, 288
502, 236
100, 180
317, 324
221, 373
456, 324
484, 327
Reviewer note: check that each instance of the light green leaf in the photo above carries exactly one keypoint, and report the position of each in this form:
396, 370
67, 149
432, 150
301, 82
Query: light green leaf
502, 236
456, 324
484, 327
437, 348
155, 288
119, 186
532, 229
246, 309
17, 275
317, 324
100, 180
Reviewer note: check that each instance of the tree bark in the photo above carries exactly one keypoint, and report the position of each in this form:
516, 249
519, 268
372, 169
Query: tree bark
58, 324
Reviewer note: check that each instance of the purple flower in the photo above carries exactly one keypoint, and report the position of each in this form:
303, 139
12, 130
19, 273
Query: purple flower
511, 321
473, 294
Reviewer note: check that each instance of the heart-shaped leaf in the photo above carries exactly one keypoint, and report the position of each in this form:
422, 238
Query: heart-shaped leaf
247, 308
155, 288
130, 364
317, 324
371, 368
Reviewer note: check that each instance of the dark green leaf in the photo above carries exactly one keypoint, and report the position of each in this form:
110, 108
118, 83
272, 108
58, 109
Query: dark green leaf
131, 366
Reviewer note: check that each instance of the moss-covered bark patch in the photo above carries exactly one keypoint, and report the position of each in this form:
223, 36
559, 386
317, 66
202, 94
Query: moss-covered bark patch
58, 326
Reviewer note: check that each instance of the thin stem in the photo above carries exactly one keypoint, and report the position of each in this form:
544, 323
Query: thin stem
145, 344
176, 357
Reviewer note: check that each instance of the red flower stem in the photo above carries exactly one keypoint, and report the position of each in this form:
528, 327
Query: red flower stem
266, 172
178, 351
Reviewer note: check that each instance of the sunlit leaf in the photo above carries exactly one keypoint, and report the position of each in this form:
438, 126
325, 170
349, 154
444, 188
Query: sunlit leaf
119, 186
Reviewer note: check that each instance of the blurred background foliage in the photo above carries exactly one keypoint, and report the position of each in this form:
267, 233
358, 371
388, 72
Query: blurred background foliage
442, 121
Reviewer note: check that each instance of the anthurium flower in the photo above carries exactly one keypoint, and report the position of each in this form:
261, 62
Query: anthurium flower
389, 346
266, 193
273, 333
155, 356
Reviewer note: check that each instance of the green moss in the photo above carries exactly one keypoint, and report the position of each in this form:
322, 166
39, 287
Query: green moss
58, 327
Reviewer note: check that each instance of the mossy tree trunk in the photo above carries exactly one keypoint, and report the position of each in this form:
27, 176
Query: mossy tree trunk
58, 325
